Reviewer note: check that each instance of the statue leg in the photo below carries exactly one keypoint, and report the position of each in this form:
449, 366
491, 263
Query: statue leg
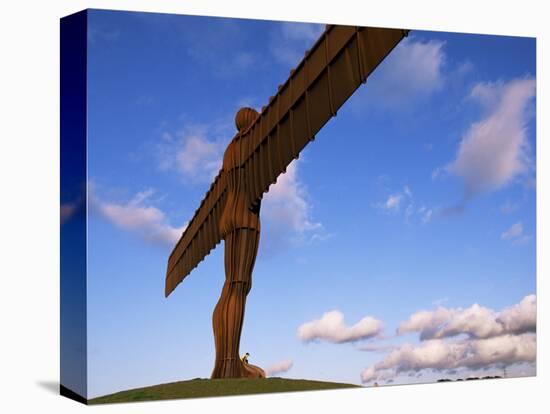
241, 247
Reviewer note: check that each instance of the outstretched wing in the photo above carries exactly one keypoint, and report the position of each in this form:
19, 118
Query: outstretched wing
201, 235
339, 62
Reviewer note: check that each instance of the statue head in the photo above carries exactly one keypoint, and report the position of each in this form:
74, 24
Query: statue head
245, 117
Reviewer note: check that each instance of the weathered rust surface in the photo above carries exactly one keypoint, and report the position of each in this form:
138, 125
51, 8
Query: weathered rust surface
265, 144
188, 252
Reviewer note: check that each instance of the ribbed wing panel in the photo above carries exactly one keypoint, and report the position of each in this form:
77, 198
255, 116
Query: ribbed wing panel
199, 238
340, 61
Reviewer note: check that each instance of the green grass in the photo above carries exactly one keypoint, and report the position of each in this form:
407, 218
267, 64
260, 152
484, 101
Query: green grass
199, 387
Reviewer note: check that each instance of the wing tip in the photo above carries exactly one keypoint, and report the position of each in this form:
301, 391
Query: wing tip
168, 288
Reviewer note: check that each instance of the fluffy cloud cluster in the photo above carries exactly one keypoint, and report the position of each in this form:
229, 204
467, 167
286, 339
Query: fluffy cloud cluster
476, 321
136, 216
473, 338
332, 328
286, 205
393, 87
515, 231
403, 202
393, 203
424, 62
515, 234
279, 367
521, 317
195, 151
439, 354
495, 150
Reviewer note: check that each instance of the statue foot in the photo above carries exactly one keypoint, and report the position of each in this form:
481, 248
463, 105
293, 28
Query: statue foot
252, 371
237, 369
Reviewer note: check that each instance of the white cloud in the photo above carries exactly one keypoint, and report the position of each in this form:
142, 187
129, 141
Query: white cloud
369, 374
514, 232
391, 86
426, 214
286, 206
291, 40
135, 216
476, 321
521, 317
332, 328
279, 367
394, 201
198, 153
403, 201
495, 150
195, 151
425, 322
438, 354
493, 339
424, 62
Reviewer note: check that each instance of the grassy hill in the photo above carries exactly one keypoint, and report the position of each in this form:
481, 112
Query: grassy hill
200, 387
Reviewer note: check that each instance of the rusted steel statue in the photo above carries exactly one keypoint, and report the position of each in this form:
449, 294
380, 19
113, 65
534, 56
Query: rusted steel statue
265, 144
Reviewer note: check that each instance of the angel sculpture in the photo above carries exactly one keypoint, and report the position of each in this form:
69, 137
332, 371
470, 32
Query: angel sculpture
263, 147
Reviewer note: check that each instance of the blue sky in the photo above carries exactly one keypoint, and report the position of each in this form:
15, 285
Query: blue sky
418, 196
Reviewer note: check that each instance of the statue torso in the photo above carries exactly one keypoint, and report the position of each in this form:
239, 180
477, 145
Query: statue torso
237, 213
